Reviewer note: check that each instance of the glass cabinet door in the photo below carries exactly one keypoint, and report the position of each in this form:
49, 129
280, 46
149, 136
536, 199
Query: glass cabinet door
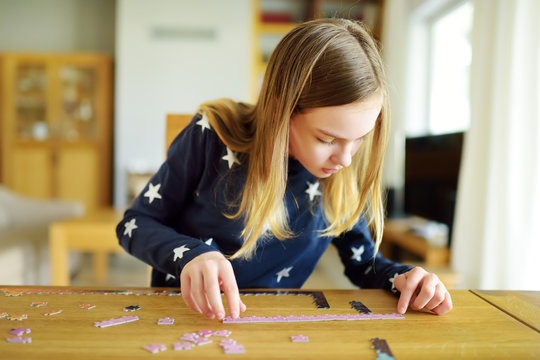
31, 101
77, 91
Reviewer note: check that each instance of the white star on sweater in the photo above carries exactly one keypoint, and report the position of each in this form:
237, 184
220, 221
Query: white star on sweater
129, 227
152, 192
231, 158
169, 276
283, 273
179, 252
392, 280
357, 253
209, 241
313, 190
203, 123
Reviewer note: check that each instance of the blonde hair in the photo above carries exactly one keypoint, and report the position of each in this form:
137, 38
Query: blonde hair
325, 62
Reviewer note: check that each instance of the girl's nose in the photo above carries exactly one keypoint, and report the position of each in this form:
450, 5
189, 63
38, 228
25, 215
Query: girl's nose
343, 156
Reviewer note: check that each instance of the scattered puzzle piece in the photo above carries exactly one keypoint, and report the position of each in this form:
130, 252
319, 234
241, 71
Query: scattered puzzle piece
39, 304
87, 306
132, 308
222, 333
3, 315
18, 317
117, 321
382, 349
299, 338
205, 333
19, 340
54, 312
19, 331
166, 321
13, 293
234, 349
202, 341
155, 348
189, 337
227, 342
183, 346
360, 307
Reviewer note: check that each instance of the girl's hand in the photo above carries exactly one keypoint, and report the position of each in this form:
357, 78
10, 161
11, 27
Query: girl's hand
422, 290
202, 280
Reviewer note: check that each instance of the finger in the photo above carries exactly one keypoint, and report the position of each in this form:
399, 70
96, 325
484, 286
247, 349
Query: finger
230, 288
406, 284
213, 294
438, 297
187, 296
445, 306
199, 294
427, 291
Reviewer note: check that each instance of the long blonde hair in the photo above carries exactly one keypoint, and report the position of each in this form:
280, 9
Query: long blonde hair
325, 62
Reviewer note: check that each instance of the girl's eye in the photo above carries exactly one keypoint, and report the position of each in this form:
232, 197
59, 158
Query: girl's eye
327, 142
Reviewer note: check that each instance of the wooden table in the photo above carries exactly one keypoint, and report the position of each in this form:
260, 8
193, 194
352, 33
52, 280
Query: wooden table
474, 329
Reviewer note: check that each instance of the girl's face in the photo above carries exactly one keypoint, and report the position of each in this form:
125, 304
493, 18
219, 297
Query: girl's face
325, 139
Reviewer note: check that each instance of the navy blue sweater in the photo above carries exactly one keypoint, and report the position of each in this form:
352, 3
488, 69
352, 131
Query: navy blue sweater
179, 215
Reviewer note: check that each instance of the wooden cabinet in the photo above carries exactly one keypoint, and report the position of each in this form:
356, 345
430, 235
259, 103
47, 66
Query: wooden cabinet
274, 18
56, 126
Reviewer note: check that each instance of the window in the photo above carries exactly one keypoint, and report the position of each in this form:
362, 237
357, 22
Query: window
450, 59
438, 70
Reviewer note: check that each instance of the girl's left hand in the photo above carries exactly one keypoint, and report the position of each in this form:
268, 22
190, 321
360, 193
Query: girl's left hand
422, 290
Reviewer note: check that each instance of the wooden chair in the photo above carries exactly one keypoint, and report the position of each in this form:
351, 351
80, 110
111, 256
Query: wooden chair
95, 232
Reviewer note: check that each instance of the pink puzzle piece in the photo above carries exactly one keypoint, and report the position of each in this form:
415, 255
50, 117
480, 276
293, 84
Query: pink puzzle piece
234, 349
19, 340
227, 342
222, 333
202, 341
117, 321
166, 321
299, 338
305, 318
183, 346
54, 312
87, 306
155, 348
39, 304
19, 331
189, 337
205, 333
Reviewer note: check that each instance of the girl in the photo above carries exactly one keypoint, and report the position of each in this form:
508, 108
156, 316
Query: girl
251, 196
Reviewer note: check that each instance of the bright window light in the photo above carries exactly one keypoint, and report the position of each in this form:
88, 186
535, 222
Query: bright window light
449, 108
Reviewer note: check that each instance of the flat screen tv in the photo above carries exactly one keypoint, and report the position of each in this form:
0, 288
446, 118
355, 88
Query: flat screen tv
432, 165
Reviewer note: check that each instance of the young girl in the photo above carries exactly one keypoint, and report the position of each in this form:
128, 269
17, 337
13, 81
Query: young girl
251, 196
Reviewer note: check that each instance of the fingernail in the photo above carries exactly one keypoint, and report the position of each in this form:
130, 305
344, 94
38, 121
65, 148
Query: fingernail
210, 315
220, 316
234, 314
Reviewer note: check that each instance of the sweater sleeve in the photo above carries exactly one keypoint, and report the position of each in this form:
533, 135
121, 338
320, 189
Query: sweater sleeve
150, 230
356, 250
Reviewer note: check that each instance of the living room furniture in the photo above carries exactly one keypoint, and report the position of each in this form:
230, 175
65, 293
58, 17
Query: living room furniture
24, 222
56, 126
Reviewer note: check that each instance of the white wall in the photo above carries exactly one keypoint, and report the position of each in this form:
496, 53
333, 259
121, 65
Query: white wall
57, 25
171, 55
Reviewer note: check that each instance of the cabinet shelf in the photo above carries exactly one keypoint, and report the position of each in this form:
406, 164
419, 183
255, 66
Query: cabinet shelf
275, 18
56, 126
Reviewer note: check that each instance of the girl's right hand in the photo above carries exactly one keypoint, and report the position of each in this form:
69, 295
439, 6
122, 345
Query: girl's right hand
202, 280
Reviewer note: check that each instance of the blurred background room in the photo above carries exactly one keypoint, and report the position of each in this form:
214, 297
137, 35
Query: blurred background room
86, 87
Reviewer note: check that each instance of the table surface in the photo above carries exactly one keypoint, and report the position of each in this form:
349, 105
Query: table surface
474, 329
